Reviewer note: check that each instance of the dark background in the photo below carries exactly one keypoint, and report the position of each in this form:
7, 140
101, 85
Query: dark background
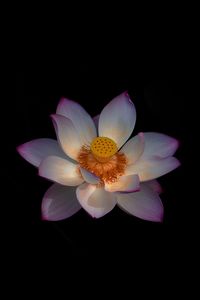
161, 105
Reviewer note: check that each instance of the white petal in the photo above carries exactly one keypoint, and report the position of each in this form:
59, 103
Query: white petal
96, 201
35, 151
144, 204
117, 120
154, 185
128, 184
134, 148
79, 117
96, 122
152, 168
60, 170
159, 145
67, 135
89, 177
59, 202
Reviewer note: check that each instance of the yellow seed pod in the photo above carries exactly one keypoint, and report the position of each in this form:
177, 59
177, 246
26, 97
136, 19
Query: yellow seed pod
103, 148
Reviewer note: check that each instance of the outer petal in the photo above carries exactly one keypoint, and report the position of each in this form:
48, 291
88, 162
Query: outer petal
154, 185
117, 120
144, 204
89, 177
96, 201
79, 117
159, 145
124, 184
152, 168
134, 148
35, 151
59, 202
60, 170
67, 135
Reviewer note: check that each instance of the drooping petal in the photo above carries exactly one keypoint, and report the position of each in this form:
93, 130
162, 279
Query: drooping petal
96, 201
144, 204
79, 117
89, 177
127, 184
96, 122
59, 202
152, 168
60, 170
159, 145
154, 185
35, 151
67, 135
134, 148
117, 119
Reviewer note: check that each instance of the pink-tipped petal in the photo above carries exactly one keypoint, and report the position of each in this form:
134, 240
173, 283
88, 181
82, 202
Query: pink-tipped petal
35, 151
152, 168
159, 145
117, 119
124, 184
144, 204
59, 202
79, 117
134, 148
89, 177
60, 170
154, 185
96, 201
67, 135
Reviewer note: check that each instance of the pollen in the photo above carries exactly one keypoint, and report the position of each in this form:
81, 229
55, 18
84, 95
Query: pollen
103, 148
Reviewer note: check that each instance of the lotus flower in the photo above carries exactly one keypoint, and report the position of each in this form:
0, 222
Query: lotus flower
93, 166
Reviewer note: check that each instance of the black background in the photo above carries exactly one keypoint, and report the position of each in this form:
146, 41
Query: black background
161, 107
152, 55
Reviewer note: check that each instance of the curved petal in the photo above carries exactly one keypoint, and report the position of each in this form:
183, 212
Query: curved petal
67, 135
117, 119
89, 177
96, 201
152, 168
96, 122
127, 184
79, 117
60, 170
159, 145
59, 202
144, 204
134, 148
154, 185
35, 151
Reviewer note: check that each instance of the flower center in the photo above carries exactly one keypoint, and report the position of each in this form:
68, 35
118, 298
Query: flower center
103, 148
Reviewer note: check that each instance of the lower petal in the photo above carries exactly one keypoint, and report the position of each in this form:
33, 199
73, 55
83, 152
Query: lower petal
145, 204
59, 202
96, 201
154, 185
129, 184
60, 170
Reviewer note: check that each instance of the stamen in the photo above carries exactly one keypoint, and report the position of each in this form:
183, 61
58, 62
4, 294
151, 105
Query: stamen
108, 171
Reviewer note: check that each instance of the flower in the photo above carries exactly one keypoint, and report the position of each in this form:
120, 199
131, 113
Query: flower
94, 167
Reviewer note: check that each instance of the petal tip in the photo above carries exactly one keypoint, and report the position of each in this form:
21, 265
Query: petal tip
19, 149
126, 94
